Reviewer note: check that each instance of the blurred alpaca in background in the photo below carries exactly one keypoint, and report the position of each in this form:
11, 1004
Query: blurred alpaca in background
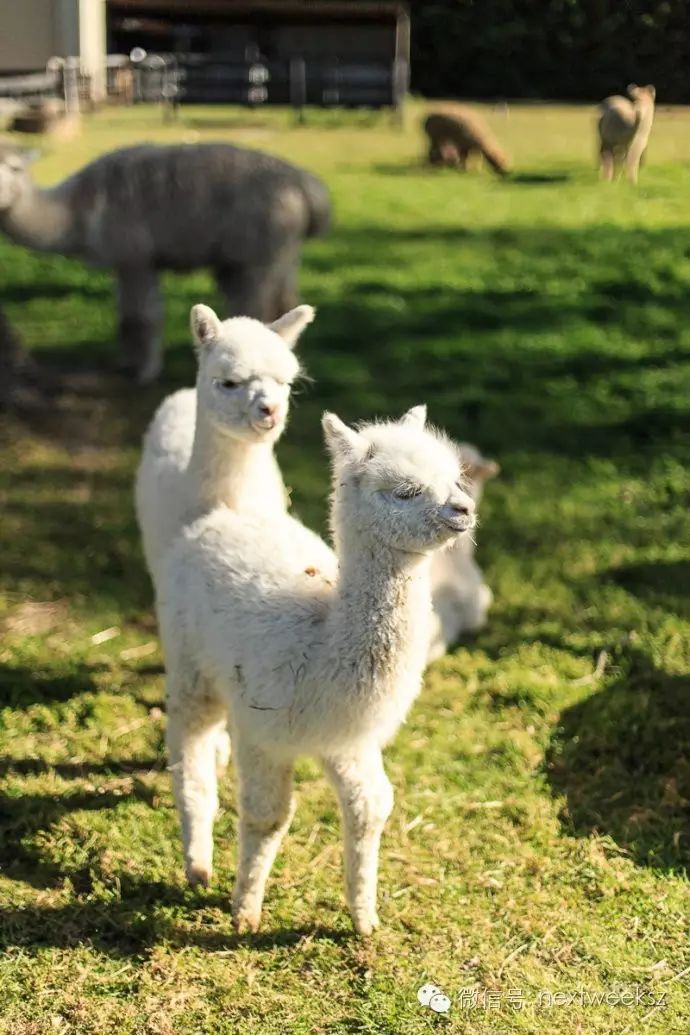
143, 209
460, 596
456, 133
624, 127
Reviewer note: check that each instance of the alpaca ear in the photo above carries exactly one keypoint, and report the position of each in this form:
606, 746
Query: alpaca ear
632, 90
342, 441
484, 469
205, 325
414, 418
291, 325
651, 90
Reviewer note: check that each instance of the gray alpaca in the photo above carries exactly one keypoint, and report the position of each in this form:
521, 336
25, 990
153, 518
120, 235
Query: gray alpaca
143, 209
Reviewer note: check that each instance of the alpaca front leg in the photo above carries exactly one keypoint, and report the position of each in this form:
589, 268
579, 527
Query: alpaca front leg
140, 311
633, 159
193, 733
265, 810
435, 157
366, 799
607, 164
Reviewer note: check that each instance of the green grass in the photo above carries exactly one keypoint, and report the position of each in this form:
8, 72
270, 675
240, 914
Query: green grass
541, 834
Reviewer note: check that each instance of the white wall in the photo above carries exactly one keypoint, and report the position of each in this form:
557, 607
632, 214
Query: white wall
31, 31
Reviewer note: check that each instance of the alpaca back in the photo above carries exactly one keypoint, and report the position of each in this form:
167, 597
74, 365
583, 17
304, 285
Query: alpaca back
184, 206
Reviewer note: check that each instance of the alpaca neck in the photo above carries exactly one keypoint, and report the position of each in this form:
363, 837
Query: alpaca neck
40, 219
644, 117
224, 470
380, 621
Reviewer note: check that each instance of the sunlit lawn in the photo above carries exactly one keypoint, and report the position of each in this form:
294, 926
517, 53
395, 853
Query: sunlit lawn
541, 832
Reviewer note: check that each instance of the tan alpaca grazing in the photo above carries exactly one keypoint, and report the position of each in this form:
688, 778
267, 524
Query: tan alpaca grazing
624, 127
457, 133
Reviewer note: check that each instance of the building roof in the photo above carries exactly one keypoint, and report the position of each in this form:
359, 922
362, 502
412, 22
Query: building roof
286, 10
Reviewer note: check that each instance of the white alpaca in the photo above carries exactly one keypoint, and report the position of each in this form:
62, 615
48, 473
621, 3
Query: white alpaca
298, 665
214, 443
624, 127
461, 597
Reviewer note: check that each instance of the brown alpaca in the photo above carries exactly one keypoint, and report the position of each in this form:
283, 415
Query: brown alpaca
456, 134
624, 127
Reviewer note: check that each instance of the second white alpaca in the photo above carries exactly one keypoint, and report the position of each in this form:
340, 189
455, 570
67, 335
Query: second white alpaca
298, 665
461, 596
214, 443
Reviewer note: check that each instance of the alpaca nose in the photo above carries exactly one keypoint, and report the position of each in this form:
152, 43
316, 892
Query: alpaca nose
268, 409
458, 512
463, 509
462, 504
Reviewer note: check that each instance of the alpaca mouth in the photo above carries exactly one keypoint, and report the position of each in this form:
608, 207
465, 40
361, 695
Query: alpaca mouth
459, 524
265, 424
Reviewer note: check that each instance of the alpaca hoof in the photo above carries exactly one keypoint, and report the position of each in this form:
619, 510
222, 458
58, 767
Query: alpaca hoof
198, 875
365, 924
246, 921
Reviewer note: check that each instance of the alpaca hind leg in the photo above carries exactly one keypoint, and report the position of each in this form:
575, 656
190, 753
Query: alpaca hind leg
265, 810
140, 311
196, 719
248, 291
366, 799
223, 751
284, 280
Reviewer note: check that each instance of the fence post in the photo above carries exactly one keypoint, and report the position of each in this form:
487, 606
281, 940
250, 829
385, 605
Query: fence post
71, 79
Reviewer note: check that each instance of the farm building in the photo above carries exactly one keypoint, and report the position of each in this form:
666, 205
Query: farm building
225, 51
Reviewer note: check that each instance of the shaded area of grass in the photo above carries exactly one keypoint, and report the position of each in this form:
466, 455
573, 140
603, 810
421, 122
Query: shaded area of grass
619, 758
540, 835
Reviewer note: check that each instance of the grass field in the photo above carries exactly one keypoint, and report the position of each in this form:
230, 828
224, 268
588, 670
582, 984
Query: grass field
541, 834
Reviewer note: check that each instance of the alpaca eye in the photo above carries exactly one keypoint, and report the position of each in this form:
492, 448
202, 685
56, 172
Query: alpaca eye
407, 492
227, 384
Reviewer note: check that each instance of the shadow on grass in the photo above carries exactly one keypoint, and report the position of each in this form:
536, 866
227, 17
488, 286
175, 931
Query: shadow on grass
79, 770
21, 685
141, 912
621, 759
538, 179
664, 584
24, 817
516, 360
140, 920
